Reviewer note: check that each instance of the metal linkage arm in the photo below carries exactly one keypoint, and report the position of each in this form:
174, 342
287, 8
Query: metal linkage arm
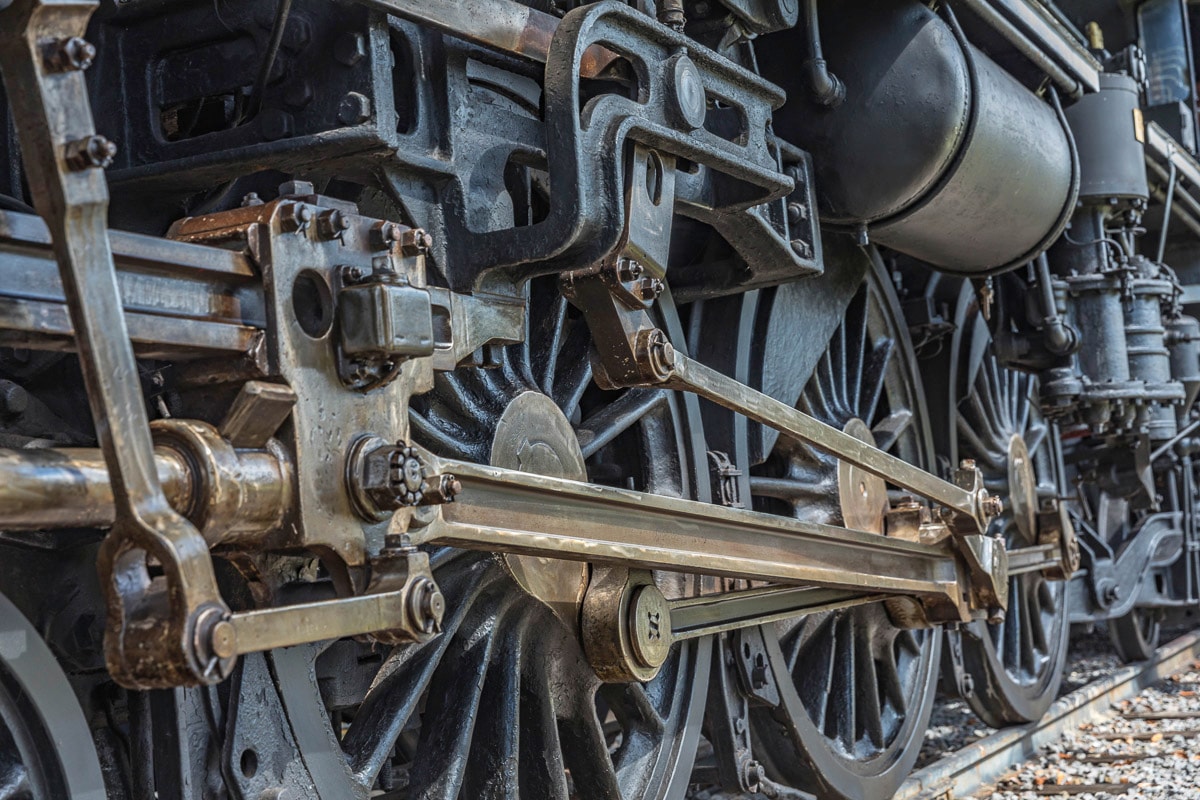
692, 376
509, 511
159, 630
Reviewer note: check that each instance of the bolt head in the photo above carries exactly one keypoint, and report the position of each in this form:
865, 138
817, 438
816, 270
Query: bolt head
415, 242
690, 102
92, 151
354, 109
350, 48
14, 398
65, 55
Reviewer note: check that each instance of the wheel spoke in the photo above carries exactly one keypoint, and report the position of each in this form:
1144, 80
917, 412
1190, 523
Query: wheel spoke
454, 696
585, 753
492, 767
540, 768
889, 429
612, 420
870, 710
402, 681
874, 371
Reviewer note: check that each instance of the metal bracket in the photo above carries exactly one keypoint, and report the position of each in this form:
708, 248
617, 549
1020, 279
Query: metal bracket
160, 629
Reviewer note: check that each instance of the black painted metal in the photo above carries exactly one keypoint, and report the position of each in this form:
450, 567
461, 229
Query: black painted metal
936, 150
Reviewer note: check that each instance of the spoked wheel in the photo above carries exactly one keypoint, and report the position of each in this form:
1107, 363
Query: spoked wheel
857, 691
46, 749
504, 703
1135, 636
1015, 666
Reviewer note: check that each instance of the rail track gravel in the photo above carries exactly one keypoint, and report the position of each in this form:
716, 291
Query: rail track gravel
1130, 732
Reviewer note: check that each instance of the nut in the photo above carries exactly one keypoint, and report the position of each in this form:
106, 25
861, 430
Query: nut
350, 48
295, 217
415, 242
332, 224
63, 55
354, 109
92, 151
384, 235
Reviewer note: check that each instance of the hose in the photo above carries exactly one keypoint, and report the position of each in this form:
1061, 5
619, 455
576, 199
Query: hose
825, 87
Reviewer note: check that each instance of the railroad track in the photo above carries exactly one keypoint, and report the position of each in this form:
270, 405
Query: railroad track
1107, 733
1137, 727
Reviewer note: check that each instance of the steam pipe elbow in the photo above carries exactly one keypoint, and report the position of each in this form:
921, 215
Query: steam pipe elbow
825, 87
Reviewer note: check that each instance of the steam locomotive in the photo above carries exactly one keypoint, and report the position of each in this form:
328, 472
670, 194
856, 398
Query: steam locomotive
556, 399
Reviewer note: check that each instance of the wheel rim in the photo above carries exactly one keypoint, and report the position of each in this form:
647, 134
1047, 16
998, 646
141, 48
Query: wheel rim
1015, 665
860, 689
1135, 635
512, 706
46, 749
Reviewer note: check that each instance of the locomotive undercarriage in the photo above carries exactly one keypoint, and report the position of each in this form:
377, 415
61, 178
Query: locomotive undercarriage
541, 413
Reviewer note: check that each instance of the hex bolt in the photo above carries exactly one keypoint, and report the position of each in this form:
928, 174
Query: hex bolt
415, 242
275, 124
92, 151
13, 398
445, 489
993, 506
350, 48
801, 248
251, 199
332, 224
650, 288
628, 270
276, 793
384, 235
295, 217
354, 109
967, 463
797, 212
64, 55
299, 94
426, 605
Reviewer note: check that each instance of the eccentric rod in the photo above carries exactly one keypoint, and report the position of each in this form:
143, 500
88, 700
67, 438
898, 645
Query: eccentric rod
692, 376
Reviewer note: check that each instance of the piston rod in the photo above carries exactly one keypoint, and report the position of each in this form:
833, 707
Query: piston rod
70, 487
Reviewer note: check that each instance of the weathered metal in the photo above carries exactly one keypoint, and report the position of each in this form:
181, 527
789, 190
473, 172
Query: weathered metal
51, 110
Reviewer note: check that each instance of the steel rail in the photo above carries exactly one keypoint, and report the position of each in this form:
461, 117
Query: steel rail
981, 763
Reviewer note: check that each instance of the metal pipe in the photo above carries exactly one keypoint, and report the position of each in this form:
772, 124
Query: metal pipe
1027, 48
70, 488
1167, 203
1182, 196
1189, 222
1060, 339
825, 87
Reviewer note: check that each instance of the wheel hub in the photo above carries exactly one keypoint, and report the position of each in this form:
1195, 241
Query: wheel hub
534, 436
862, 496
1022, 487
